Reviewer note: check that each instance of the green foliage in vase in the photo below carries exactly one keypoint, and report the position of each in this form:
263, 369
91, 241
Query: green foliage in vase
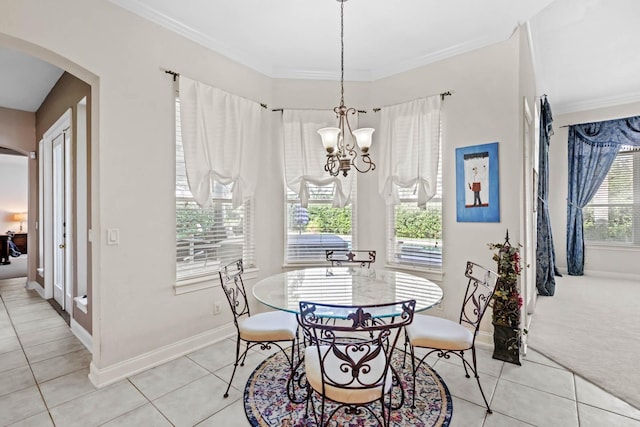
506, 299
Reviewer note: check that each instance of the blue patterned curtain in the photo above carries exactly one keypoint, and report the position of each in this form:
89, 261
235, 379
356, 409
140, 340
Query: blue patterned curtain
545, 254
592, 149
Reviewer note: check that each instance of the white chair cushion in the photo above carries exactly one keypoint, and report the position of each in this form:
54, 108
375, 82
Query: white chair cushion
269, 326
435, 332
345, 395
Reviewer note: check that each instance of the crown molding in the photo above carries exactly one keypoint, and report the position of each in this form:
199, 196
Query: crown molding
595, 104
146, 12
440, 55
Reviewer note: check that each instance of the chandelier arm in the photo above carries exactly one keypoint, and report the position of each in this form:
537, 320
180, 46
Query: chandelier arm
367, 161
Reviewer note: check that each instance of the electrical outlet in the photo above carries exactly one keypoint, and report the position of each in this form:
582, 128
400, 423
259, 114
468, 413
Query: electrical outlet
217, 308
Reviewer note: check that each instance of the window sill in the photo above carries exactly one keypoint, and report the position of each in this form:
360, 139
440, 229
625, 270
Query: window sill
194, 284
623, 247
430, 273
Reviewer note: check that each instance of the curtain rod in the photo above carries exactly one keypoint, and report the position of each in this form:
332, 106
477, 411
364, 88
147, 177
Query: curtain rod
598, 121
282, 109
442, 95
176, 75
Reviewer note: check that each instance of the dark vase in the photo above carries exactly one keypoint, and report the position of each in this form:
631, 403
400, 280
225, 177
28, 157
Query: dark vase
506, 344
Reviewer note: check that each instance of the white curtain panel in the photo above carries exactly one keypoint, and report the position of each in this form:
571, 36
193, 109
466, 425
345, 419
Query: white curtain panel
221, 133
409, 149
305, 156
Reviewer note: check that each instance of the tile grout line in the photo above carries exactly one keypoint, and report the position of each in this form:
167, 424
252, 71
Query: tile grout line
44, 402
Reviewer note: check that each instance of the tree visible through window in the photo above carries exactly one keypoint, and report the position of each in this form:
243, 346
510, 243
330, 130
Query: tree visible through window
613, 215
415, 234
207, 238
312, 230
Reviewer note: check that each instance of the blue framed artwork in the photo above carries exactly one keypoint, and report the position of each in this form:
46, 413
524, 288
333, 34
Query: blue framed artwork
477, 183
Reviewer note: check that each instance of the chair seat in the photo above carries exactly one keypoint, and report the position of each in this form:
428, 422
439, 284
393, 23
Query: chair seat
339, 394
269, 326
435, 332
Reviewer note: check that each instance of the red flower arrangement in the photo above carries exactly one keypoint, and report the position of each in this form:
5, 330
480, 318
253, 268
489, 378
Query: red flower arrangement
506, 299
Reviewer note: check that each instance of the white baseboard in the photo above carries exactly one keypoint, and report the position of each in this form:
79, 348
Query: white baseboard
82, 334
101, 377
485, 339
35, 286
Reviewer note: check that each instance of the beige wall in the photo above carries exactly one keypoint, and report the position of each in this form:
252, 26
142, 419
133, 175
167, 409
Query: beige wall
14, 195
607, 260
17, 132
66, 94
484, 108
138, 320
136, 310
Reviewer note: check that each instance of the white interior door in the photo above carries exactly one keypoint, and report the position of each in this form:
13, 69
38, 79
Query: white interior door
59, 225
56, 211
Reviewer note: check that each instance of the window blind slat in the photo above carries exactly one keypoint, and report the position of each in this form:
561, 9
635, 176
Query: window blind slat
613, 215
207, 238
312, 230
414, 234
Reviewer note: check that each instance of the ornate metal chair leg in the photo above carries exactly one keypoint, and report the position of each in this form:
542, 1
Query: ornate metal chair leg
235, 366
413, 375
475, 371
404, 356
466, 372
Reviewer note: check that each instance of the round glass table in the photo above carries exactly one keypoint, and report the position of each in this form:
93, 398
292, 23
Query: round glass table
345, 286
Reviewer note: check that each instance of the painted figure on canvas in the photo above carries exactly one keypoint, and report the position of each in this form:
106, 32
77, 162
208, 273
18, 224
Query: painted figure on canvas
476, 172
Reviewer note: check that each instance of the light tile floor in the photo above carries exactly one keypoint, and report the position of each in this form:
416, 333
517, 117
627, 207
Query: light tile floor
43, 382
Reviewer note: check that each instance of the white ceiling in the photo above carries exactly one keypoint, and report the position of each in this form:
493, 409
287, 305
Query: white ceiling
584, 51
24, 80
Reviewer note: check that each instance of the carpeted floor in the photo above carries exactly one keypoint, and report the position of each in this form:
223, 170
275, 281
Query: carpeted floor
266, 402
17, 268
592, 327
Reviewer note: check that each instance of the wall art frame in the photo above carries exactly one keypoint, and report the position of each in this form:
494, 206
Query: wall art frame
478, 183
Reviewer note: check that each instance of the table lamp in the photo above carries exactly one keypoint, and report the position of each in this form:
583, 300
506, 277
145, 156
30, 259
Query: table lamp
20, 217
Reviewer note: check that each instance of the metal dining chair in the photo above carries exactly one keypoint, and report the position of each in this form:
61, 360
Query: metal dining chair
338, 257
445, 337
263, 329
348, 363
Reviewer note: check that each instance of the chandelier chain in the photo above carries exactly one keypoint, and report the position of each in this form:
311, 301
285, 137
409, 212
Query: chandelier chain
342, 143
342, 52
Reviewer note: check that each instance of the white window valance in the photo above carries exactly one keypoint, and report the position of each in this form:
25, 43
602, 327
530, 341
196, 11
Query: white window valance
220, 136
409, 149
305, 156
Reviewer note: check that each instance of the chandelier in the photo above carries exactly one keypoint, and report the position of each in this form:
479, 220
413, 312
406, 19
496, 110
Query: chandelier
341, 142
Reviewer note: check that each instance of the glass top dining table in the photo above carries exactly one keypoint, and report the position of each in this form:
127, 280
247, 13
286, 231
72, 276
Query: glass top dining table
345, 286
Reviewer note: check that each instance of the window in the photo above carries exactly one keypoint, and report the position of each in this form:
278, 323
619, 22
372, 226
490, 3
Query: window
312, 230
415, 234
613, 215
207, 238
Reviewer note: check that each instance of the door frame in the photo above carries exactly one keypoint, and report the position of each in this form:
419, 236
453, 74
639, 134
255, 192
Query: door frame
62, 126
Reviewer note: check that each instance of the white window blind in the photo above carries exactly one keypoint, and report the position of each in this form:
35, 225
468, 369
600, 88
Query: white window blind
312, 230
613, 215
207, 238
415, 234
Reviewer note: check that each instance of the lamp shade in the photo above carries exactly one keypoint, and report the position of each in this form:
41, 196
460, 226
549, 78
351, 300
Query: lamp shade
329, 138
20, 216
363, 138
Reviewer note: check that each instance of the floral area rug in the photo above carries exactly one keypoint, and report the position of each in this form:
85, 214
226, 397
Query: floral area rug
266, 402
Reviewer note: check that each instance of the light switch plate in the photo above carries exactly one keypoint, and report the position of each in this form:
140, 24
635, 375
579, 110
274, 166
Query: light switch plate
113, 236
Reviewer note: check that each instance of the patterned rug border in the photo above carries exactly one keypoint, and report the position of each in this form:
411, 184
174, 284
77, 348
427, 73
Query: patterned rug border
257, 418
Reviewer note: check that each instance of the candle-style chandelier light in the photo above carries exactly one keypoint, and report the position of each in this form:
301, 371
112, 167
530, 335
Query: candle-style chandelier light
341, 142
